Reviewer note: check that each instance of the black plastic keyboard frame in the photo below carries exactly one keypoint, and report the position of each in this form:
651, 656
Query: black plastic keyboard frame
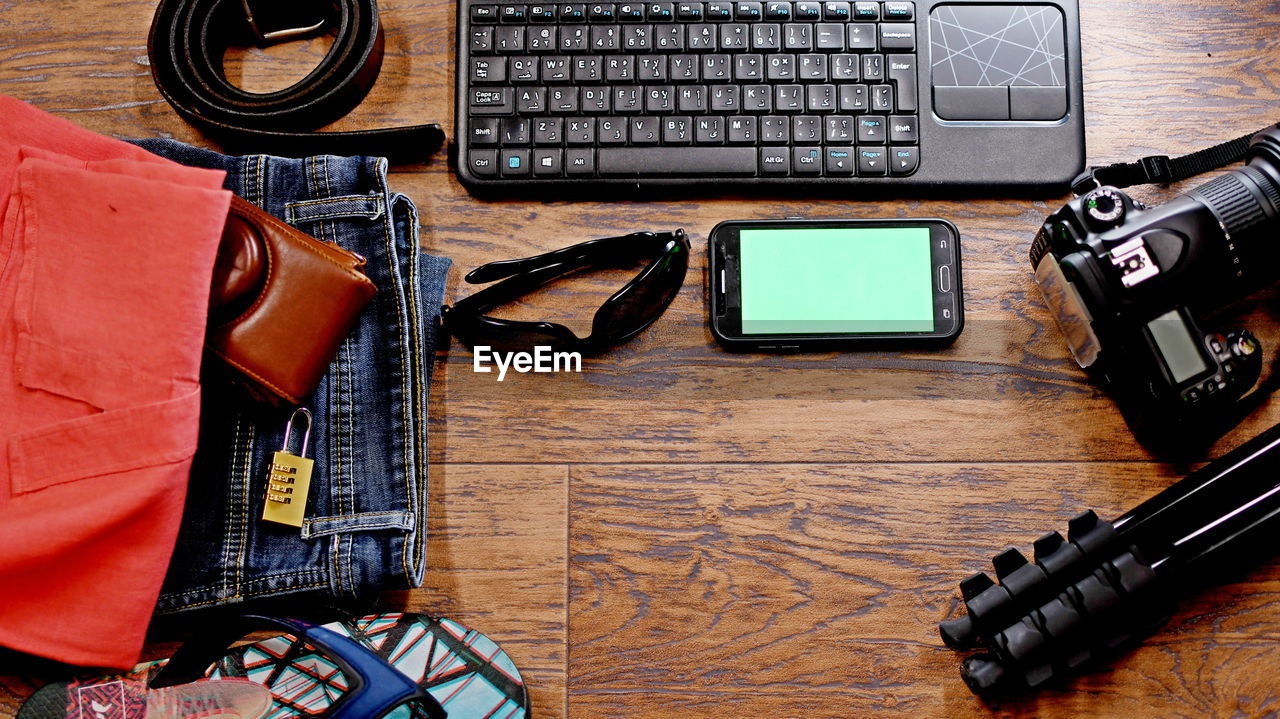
960, 158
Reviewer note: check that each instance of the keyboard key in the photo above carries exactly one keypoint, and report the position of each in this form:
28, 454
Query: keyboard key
749, 66
580, 131
515, 130
719, 11
902, 71
542, 13
483, 163
725, 98
872, 68
620, 68
562, 100
677, 130
757, 98
605, 38
797, 36
631, 12
806, 160
574, 38
780, 67
734, 36
853, 98
871, 162
708, 130
742, 130
806, 130
596, 100
612, 131
840, 161
484, 13
702, 37
838, 11
828, 36
573, 13
898, 36
637, 37
542, 39
587, 68
660, 12
547, 163
821, 98
660, 99
777, 11
862, 37
484, 131
748, 11
866, 11
774, 128
899, 10
690, 161
580, 161
716, 67
808, 11
627, 98
669, 38
644, 130
813, 67
844, 67
492, 101
840, 130
531, 100
882, 98
684, 68
689, 11
870, 130
788, 98
905, 160
903, 129
766, 36
555, 68
515, 14
524, 69
693, 98
548, 131
775, 160
488, 69
515, 163
508, 40
482, 39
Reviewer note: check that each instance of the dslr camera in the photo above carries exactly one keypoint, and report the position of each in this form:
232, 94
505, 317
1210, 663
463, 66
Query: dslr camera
1128, 284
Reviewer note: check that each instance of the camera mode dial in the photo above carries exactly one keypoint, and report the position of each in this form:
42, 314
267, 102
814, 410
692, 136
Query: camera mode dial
1104, 206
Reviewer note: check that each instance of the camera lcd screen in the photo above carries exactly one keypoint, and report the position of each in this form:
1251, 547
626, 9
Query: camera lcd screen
836, 280
1176, 345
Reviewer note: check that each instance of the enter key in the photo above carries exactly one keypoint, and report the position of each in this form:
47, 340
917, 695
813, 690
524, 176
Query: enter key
902, 71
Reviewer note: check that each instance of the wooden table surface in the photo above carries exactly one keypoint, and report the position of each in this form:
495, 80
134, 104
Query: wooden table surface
681, 532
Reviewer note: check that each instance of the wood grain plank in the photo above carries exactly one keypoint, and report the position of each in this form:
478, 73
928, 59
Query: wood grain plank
815, 590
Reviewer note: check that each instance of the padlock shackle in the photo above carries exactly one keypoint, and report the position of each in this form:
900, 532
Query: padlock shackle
288, 431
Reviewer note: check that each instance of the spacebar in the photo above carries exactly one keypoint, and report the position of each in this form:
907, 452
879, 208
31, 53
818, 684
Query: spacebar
696, 161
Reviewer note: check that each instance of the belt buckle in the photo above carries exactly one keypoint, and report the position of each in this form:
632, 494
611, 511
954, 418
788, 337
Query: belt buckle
270, 37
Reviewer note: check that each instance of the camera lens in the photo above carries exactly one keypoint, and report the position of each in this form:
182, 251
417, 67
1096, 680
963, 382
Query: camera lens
1104, 205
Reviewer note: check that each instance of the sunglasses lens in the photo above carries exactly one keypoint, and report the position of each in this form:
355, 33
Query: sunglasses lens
646, 300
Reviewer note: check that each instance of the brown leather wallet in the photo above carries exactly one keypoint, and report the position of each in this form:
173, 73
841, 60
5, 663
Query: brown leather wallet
281, 304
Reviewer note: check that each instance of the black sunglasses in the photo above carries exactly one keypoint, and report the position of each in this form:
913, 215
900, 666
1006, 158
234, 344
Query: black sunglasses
624, 315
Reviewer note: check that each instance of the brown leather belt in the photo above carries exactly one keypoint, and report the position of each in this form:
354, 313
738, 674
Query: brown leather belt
189, 37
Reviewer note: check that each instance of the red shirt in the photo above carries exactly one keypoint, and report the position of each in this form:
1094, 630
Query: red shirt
106, 254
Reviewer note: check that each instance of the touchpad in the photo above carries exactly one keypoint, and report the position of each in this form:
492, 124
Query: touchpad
998, 62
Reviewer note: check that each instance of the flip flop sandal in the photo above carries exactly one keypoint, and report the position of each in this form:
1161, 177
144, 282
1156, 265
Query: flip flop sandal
386, 666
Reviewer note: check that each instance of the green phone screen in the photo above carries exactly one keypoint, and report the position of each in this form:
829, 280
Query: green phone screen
836, 280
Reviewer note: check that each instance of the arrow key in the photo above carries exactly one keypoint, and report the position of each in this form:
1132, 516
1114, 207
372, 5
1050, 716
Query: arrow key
840, 161
903, 160
871, 162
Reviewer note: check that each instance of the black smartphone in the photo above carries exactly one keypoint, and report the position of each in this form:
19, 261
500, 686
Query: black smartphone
793, 285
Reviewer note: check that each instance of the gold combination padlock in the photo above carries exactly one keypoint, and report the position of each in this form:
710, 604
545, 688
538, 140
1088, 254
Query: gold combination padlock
289, 479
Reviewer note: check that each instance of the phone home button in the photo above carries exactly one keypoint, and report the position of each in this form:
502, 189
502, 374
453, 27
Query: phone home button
944, 279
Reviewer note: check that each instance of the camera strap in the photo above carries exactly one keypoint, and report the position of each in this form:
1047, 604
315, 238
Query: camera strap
1162, 169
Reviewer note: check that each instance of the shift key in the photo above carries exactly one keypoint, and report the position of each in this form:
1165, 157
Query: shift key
491, 101
902, 71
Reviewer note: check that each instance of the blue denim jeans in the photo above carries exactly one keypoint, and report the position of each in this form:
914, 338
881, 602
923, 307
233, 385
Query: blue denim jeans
366, 513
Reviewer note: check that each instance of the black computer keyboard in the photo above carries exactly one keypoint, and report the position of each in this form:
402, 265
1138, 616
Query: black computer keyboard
557, 95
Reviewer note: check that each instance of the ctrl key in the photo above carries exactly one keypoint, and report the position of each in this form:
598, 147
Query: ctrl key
483, 163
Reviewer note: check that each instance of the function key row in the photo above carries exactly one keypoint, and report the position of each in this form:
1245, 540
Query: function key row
829, 161
748, 11
705, 37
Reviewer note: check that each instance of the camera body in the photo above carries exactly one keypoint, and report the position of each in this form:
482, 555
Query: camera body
1128, 285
